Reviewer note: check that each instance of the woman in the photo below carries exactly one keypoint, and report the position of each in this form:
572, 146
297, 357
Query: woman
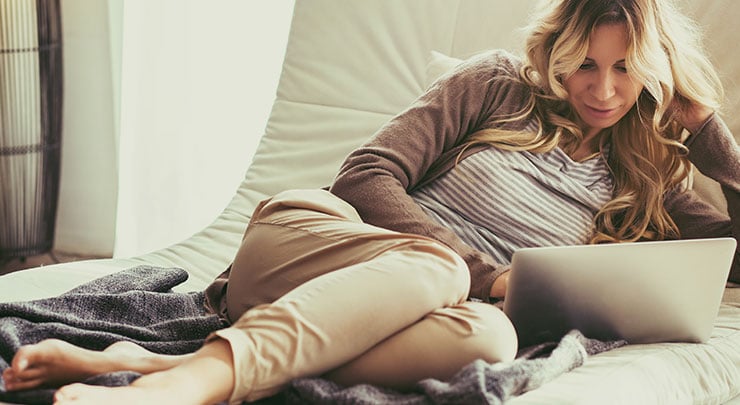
579, 143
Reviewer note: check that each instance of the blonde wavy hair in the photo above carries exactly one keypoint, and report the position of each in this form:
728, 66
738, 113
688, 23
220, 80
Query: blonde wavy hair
646, 156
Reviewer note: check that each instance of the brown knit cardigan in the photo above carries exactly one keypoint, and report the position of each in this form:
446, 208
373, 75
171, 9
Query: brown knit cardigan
422, 142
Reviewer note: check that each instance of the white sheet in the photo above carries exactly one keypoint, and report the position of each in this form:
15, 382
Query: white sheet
667, 373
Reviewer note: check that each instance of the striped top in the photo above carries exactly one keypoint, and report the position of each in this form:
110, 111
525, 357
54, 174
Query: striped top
498, 201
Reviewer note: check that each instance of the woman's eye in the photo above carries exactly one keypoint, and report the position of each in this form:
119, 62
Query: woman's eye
622, 69
586, 66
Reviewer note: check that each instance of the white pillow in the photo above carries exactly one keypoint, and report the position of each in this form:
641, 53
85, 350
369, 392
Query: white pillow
438, 65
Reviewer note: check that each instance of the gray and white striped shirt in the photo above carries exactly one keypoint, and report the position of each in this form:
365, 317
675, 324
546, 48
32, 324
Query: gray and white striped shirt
498, 201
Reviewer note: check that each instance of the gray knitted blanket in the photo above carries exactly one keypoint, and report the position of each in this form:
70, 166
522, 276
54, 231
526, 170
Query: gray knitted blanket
138, 305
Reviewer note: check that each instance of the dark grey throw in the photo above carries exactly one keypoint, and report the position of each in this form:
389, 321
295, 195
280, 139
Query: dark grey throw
138, 305
477, 383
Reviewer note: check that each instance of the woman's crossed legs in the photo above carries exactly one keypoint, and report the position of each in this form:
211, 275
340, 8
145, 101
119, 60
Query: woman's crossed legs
353, 302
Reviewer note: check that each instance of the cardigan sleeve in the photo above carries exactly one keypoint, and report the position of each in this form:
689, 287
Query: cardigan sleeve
376, 177
714, 152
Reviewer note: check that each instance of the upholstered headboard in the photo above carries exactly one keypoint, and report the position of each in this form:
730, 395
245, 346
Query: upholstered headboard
351, 65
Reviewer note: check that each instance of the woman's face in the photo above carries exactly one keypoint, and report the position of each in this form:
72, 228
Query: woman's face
602, 91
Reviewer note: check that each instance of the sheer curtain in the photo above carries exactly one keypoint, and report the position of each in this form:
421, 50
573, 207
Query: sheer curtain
197, 82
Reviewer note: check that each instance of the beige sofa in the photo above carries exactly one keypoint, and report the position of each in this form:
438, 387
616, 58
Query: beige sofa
350, 66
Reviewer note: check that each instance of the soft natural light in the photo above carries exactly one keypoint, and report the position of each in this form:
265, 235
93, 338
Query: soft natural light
197, 83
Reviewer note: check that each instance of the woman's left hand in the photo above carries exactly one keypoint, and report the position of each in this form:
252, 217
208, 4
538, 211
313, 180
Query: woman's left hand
691, 115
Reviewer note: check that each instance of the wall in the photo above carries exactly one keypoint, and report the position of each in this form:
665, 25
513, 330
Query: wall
165, 102
87, 200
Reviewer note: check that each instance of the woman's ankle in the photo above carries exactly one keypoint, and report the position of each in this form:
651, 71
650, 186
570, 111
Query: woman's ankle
206, 377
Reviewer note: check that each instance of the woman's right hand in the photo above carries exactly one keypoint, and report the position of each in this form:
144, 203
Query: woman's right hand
498, 289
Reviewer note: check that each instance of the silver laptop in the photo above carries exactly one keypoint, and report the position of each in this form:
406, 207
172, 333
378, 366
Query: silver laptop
644, 292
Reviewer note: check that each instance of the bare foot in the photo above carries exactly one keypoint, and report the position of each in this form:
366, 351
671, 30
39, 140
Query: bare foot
54, 362
156, 389
95, 395
206, 377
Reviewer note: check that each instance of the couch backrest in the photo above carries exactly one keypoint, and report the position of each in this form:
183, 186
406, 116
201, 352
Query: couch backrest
351, 65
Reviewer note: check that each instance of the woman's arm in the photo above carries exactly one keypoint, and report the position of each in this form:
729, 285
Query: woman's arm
715, 153
377, 177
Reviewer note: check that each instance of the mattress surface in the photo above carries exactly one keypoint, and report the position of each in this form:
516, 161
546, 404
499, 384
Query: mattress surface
665, 373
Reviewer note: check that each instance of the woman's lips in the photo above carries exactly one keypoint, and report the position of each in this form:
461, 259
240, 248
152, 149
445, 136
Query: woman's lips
600, 112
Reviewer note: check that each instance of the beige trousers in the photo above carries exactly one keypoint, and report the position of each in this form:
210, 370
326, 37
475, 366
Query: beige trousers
315, 291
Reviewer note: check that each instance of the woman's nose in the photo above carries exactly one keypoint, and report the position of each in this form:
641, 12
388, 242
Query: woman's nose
603, 87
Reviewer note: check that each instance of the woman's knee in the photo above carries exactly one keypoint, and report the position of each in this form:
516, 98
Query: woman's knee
316, 201
439, 265
437, 346
492, 336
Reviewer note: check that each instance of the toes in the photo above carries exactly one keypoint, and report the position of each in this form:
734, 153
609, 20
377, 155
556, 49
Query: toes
27, 374
68, 393
29, 367
79, 393
8, 378
20, 385
14, 381
29, 356
24, 365
22, 357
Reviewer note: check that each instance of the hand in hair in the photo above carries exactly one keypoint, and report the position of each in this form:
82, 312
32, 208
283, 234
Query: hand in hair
691, 115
